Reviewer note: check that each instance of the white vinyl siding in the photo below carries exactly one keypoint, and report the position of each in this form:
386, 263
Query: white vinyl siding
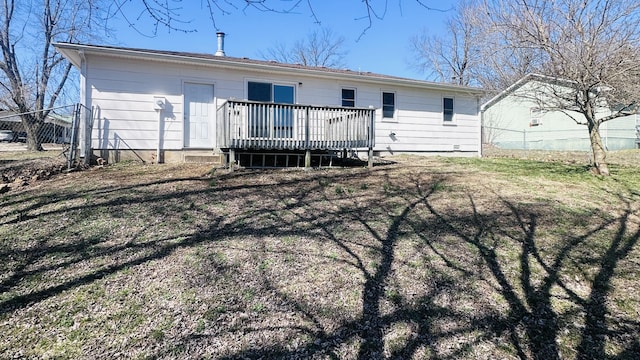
122, 93
419, 125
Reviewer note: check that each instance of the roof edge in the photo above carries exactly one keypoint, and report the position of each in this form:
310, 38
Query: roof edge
72, 53
518, 84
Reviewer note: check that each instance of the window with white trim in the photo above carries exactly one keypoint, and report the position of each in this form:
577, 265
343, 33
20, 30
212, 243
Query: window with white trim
388, 104
348, 97
281, 119
447, 109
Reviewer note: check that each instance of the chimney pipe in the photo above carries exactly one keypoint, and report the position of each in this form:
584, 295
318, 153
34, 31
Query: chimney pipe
220, 51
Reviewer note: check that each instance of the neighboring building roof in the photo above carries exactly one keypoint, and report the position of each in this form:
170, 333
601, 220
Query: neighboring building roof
13, 117
518, 84
541, 79
9, 116
75, 52
60, 119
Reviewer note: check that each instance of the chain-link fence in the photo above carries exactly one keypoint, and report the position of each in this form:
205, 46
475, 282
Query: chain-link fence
26, 136
563, 140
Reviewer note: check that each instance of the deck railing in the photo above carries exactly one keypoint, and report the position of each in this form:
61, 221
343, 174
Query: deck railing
269, 126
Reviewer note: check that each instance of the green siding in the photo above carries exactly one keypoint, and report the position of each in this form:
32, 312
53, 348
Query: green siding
507, 124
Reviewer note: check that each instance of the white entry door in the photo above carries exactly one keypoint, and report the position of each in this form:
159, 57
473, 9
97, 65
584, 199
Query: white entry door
199, 115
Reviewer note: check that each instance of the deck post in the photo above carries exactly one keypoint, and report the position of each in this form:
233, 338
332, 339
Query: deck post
306, 128
307, 159
372, 134
232, 159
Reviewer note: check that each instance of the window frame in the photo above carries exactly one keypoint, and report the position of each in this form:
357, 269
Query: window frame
273, 84
285, 130
535, 116
452, 116
343, 99
395, 107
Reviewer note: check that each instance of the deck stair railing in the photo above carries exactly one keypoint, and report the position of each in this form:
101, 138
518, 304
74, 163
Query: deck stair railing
269, 126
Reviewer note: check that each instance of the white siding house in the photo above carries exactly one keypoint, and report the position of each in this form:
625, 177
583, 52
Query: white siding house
515, 119
149, 102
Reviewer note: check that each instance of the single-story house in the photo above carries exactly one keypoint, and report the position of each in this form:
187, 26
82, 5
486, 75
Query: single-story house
516, 119
56, 128
181, 106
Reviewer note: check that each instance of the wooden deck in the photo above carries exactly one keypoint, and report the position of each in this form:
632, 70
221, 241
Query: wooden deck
269, 126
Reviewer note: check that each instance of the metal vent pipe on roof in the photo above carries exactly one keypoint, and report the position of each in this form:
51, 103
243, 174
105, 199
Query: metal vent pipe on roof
220, 51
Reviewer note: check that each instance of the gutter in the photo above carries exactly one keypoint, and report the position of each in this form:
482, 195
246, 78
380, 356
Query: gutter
481, 126
85, 131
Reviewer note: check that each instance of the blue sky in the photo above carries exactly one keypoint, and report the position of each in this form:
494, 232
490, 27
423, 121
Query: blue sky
384, 48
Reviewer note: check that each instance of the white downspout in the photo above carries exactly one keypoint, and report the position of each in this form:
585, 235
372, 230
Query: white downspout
83, 78
158, 106
481, 110
85, 130
159, 136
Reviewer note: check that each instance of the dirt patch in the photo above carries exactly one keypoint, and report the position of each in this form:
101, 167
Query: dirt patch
18, 173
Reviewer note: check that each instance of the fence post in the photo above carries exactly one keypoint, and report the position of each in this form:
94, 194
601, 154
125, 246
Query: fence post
73, 142
87, 134
524, 139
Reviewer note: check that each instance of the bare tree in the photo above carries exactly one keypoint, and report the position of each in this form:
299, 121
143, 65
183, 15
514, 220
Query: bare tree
589, 49
32, 74
471, 52
451, 57
320, 48
502, 66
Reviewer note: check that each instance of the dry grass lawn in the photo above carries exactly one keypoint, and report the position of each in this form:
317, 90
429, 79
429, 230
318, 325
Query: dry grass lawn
442, 258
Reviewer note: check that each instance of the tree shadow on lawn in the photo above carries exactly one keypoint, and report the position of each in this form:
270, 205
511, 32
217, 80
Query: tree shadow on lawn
532, 324
499, 253
108, 201
530, 287
530, 297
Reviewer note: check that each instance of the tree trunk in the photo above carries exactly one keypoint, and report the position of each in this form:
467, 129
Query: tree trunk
598, 151
33, 127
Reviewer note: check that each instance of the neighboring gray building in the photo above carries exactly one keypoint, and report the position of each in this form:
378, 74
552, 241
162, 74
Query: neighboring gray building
513, 119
